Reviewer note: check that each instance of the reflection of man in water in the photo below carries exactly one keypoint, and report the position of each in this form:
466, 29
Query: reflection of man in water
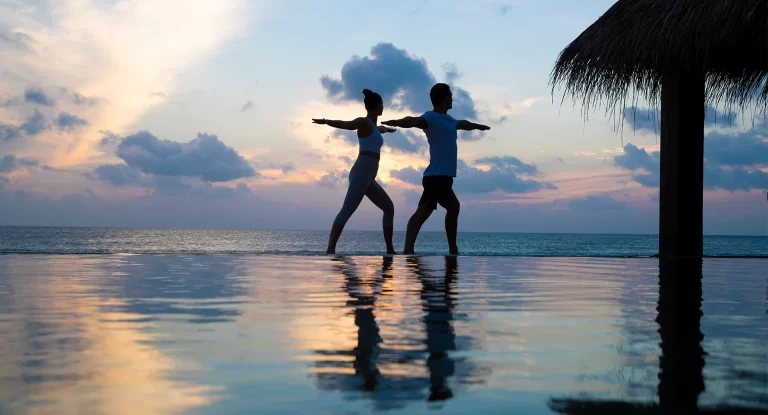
438, 304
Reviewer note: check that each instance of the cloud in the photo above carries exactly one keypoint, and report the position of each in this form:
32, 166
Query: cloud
117, 51
124, 175
37, 96
408, 175
402, 80
17, 40
406, 141
635, 158
248, 105
286, 167
412, 196
204, 157
597, 203
746, 149
510, 163
643, 119
35, 124
502, 176
452, 73
331, 179
117, 175
499, 177
158, 94
199, 206
349, 136
79, 99
109, 140
4, 180
734, 178
11, 163
717, 174
68, 122
463, 104
9, 132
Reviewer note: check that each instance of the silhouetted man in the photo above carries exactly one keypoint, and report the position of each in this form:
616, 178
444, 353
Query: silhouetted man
441, 130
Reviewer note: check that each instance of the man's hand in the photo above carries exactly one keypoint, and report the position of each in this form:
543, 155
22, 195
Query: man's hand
393, 123
470, 126
321, 121
383, 129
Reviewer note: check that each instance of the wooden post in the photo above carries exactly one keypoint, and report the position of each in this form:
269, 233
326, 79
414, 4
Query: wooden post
682, 165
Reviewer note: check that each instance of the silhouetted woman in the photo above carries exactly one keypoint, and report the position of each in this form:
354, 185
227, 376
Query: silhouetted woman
362, 176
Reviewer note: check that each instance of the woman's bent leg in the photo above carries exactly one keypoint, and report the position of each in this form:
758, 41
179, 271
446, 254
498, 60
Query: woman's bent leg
381, 199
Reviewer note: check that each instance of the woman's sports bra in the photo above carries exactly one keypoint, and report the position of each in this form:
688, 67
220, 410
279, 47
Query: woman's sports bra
373, 142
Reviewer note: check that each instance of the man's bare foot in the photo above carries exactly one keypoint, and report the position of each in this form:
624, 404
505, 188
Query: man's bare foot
391, 252
330, 252
408, 252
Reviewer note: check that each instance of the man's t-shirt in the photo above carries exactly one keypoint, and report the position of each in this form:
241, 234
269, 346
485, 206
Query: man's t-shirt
441, 135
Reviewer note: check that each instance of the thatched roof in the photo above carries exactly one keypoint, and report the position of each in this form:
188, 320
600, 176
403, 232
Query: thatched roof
622, 56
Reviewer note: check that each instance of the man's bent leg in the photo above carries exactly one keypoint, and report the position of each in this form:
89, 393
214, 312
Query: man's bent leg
414, 225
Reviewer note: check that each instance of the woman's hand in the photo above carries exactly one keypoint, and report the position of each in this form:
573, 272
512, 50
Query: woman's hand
321, 121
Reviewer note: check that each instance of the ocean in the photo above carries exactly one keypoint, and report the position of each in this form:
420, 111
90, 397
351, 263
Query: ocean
52, 240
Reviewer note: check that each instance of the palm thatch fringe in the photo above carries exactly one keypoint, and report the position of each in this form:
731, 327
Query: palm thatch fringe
622, 57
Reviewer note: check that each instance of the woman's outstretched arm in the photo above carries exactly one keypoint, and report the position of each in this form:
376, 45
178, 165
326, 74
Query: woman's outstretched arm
355, 124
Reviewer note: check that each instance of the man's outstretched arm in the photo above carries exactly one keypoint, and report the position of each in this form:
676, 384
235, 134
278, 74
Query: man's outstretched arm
408, 122
469, 126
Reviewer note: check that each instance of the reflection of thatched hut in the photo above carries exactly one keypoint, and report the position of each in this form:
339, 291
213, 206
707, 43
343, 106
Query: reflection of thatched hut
680, 54
681, 364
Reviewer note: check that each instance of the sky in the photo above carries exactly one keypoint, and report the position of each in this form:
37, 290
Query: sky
150, 113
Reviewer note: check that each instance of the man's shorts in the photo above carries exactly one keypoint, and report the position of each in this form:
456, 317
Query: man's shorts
438, 190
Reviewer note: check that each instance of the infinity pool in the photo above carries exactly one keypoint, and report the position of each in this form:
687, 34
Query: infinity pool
114, 334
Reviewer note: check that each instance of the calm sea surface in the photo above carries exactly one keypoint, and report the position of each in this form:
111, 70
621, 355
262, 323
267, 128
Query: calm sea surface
168, 241
280, 334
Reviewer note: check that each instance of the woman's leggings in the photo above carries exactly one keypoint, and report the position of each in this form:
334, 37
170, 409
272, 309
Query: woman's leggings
362, 182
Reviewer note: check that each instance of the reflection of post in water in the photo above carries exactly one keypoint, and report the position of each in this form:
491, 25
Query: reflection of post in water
438, 303
363, 298
681, 363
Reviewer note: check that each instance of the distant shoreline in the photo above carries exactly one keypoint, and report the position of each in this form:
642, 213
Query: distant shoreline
359, 230
353, 254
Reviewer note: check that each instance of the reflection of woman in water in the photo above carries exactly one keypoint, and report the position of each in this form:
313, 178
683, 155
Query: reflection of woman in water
438, 305
362, 176
368, 338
